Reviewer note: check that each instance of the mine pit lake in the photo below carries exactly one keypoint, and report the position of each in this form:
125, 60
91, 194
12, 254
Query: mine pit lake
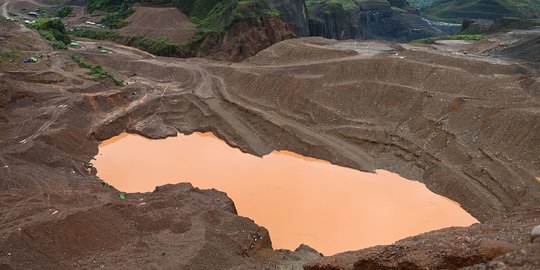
298, 199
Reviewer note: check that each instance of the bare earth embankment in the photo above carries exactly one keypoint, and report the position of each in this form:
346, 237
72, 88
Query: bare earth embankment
468, 126
150, 21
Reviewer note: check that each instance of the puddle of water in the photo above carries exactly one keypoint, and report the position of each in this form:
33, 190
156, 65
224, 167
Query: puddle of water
298, 199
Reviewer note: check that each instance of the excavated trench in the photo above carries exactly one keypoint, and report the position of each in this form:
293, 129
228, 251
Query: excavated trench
299, 200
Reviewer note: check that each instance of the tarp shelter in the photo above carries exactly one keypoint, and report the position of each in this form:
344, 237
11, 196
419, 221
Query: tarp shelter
74, 44
35, 58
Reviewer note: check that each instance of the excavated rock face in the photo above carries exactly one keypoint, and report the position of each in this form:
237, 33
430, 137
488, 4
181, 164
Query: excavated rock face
246, 39
476, 26
370, 20
293, 12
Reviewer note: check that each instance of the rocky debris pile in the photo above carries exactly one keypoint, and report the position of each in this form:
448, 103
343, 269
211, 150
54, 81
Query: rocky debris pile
502, 242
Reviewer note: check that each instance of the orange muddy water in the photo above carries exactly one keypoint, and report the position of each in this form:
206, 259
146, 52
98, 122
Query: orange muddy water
298, 199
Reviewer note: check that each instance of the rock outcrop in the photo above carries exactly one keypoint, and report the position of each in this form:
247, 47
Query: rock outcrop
476, 26
293, 12
245, 39
453, 248
369, 20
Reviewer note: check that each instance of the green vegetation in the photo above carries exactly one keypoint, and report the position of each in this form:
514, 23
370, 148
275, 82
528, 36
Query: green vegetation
215, 17
53, 30
212, 17
320, 10
331, 5
421, 3
432, 40
535, 22
64, 11
96, 72
457, 10
116, 19
9, 54
92, 33
160, 46
118, 11
401, 4
109, 5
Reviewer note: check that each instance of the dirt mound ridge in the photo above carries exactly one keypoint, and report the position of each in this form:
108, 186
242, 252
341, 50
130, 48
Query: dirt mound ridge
159, 21
298, 51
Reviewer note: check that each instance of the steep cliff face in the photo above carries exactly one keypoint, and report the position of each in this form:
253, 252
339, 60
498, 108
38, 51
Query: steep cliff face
245, 39
369, 20
293, 12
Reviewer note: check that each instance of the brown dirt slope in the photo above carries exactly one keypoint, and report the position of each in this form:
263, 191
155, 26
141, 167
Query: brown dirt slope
159, 21
523, 45
451, 248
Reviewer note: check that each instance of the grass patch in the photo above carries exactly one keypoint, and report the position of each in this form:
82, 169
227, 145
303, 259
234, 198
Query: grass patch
432, 40
64, 11
118, 11
160, 46
96, 72
52, 30
9, 54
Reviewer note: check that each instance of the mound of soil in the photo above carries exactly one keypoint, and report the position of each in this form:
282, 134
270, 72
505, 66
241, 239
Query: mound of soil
19, 37
298, 50
151, 21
